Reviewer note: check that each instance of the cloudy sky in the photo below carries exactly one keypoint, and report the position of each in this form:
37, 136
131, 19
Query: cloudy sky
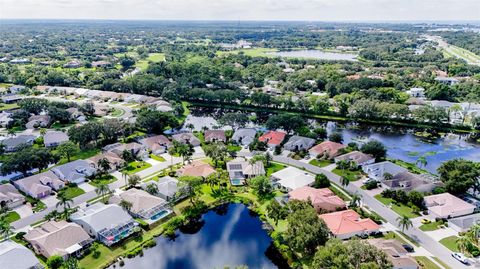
311, 10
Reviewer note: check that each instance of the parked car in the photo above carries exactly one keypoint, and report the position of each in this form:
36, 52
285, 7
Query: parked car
408, 248
425, 221
460, 257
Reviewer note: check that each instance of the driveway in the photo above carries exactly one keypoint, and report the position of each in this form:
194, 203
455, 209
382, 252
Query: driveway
50, 201
24, 211
86, 187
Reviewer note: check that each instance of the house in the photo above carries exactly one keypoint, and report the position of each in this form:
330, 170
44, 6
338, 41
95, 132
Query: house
357, 157
54, 138
240, 169
396, 253
5, 118
196, 169
76, 114
20, 61
107, 223
72, 64
74, 172
169, 188
244, 136
377, 171
446, 206
215, 135
441, 104
16, 256
103, 64
14, 143
408, 181
464, 223
326, 149
11, 98
61, 238
298, 143
39, 185
323, 200
144, 205
37, 121
10, 197
16, 89
347, 223
136, 149
157, 144
447, 80
115, 161
292, 178
416, 92
187, 138
272, 138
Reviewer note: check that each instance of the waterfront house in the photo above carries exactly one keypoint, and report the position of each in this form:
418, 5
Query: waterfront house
323, 200
357, 157
187, 138
39, 185
396, 253
272, 138
240, 169
298, 143
408, 181
347, 224
327, 149
16, 256
157, 144
446, 205
61, 238
109, 224
10, 197
169, 188
244, 136
54, 138
196, 169
292, 178
74, 172
14, 143
377, 171
215, 135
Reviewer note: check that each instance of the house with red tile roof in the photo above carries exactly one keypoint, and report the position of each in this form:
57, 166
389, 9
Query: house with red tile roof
196, 169
328, 148
323, 200
347, 223
272, 138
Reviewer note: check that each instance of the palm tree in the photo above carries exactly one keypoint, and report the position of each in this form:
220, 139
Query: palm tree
152, 188
5, 228
387, 176
404, 222
463, 243
103, 190
133, 180
65, 202
344, 181
11, 132
126, 205
190, 126
43, 131
104, 165
355, 202
422, 161
125, 175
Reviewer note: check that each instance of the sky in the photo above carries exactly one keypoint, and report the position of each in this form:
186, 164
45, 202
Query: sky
300, 10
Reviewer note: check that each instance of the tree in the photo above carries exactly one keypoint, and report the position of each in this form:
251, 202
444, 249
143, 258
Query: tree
321, 181
126, 205
28, 158
126, 62
234, 119
134, 180
459, 175
154, 121
355, 202
190, 126
306, 231
54, 262
5, 227
336, 137
104, 165
374, 148
193, 187
216, 151
276, 212
71, 263
287, 122
103, 190
184, 150
261, 185
404, 222
344, 181
152, 188
128, 156
65, 202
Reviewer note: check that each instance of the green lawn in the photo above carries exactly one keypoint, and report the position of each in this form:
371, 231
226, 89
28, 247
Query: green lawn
440, 262
117, 112
81, 154
135, 167
320, 163
12, 216
157, 158
451, 243
351, 175
432, 226
253, 52
71, 192
234, 148
105, 179
7, 106
274, 167
401, 209
393, 235
156, 57
426, 263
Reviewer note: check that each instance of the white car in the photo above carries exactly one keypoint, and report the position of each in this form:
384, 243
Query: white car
460, 257
365, 181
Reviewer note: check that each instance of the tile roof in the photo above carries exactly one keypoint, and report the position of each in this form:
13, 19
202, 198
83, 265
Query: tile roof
322, 199
272, 137
156, 142
16, 256
39, 183
446, 204
348, 222
9, 193
329, 147
141, 201
196, 169
355, 156
218, 135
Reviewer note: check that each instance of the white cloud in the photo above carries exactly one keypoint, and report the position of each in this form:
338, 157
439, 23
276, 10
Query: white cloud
319, 10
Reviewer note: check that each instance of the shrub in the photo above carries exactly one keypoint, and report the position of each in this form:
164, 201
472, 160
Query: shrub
54, 262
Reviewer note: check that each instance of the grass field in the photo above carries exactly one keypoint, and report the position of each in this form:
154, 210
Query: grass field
432, 226
351, 175
320, 163
7, 106
274, 167
12, 216
103, 180
254, 52
401, 209
157, 158
152, 57
117, 112
426, 263
457, 52
135, 167
71, 192
450, 243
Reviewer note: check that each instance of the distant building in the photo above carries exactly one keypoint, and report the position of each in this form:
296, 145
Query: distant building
187, 138
157, 144
416, 92
215, 135
359, 158
5, 118
196, 169
447, 80
38, 121
298, 143
73, 64
103, 64
14, 143
20, 61
408, 181
10, 98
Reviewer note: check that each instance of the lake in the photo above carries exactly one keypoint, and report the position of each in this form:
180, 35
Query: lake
316, 54
230, 236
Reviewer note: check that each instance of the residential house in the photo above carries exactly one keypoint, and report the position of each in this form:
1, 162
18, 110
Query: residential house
447, 80
157, 144
38, 121
347, 224
323, 200
416, 92
377, 171
240, 169
292, 178
327, 149
298, 143
10, 197
396, 253
196, 169
76, 114
14, 143
464, 223
11, 98
359, 158
408, 181
441, 104
145, 206
20, 61
169, 188
73, 64
74, 172
136, 149
272, 138
107, 223
115, 161
215, 136
244, 136
5, 118
39, 185
187, 138
16, 256
100, 110
16, 89
61, 238
102, 64
54, 138
446, 205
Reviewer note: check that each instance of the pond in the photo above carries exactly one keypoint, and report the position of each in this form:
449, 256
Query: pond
316, 54
228, 236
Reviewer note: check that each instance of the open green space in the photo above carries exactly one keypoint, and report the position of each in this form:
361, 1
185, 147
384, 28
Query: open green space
450, 243
71, 192
117, 112
80, 155
12, 216
432, 226
351, 175
4, 107
103, 180
441, 262
136, 166
426, 263
320, 163
400, 209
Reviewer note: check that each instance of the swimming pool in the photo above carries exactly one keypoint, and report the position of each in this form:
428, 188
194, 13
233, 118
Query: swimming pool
236, 182
160, 215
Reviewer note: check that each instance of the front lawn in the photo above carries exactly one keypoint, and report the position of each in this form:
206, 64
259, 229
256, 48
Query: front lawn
393, 235
157, 158
233, 148
274, 167
426, 263
320, 163
8, 106
12, 216
104, 179
71, 192
432, 226
400, 209
117, 112
351, 175
135, 167
450, 243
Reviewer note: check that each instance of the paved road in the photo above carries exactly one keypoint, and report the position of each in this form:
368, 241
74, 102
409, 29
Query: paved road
434, 247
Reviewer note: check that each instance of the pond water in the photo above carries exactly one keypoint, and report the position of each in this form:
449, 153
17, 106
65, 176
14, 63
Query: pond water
316, 54
230, 236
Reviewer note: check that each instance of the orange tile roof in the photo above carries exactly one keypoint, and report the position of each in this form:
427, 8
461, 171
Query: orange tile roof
348, 222
272, 137
330, 147
196, 169
322, 199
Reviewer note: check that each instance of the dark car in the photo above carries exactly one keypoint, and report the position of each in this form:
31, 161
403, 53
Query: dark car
408, 248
